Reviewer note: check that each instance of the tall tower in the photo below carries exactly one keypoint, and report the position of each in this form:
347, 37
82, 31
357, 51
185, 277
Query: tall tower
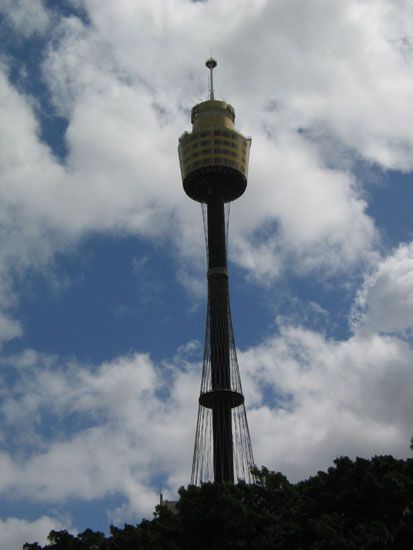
214, 167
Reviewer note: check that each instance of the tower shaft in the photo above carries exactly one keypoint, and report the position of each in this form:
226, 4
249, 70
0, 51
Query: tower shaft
219, 331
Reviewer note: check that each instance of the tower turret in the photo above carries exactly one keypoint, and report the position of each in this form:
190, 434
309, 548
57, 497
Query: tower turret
214, 151
214, 166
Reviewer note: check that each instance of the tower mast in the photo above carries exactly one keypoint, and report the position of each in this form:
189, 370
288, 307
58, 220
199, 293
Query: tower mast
211, 64
214, 167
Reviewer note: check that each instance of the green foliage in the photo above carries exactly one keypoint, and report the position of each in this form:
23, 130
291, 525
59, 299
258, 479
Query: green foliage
360, 504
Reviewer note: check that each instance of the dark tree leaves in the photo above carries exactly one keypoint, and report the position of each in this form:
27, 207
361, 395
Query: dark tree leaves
361, 505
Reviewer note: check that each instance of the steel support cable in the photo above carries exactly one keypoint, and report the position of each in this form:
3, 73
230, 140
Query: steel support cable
221, 430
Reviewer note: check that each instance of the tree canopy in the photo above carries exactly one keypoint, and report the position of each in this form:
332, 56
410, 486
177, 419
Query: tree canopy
360, 504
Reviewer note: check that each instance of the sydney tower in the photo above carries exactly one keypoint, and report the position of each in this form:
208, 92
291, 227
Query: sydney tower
214, 167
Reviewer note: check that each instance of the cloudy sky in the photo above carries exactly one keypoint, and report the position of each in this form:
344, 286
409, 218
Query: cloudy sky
102, 259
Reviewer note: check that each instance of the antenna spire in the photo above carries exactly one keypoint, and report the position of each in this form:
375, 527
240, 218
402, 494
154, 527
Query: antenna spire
211, 64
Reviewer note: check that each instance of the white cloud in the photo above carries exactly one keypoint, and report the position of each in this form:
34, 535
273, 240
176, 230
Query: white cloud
9, 329
15, 532
28, 17
129, 422
126, 423
28, 236
385, 301
312, 399
342, 69
299, 214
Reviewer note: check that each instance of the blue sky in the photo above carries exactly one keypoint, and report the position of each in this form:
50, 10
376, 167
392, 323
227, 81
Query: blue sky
102, 259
